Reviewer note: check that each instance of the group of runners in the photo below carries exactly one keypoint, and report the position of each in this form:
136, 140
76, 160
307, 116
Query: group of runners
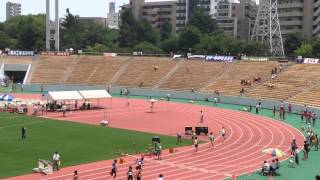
131, 173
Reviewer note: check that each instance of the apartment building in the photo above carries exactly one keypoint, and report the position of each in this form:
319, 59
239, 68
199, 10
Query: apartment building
237, 18
157, 13
113, 16
12, 10
186, 8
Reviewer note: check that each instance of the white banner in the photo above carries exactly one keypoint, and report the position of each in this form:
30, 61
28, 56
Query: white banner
21, 53
110, 54
55, 53
252, 58
311, 61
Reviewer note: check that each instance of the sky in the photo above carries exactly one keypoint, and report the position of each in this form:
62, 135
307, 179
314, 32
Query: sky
85, 8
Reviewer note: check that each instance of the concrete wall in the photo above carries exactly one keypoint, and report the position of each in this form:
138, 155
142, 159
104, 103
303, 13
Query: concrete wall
239, 100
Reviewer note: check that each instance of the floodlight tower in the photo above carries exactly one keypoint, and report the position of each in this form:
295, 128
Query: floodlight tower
267, 27
52, 27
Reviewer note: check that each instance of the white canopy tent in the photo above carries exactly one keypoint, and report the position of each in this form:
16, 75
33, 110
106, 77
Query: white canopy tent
95, 94
64, 95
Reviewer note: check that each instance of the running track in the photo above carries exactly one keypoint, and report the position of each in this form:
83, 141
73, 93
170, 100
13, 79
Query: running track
247, 136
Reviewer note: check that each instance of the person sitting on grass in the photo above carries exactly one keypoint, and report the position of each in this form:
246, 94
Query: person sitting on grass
265, 168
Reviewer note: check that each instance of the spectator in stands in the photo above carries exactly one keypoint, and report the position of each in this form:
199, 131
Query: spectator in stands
121, 92
141, 84
23, 132
192, 90
56, 161
280, 68
75, 175
241, 91
156, 68
187, 69
276, 70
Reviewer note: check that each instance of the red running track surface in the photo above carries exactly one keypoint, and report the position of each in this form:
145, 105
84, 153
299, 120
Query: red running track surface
247, 136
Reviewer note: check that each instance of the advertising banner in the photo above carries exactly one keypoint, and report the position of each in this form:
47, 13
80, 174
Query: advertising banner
21, 53
310, 61
55, 53
220, 58
252, 58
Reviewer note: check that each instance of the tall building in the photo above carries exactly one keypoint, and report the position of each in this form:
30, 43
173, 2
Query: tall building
102, 21
12, 9
113, 16
237, 18
186, 8
297, 16
157, 13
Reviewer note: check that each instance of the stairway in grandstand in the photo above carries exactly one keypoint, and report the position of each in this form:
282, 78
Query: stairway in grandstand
34, 64
69, 69
310, 97
194, 75
142, 73
169, 74
229, 82
95, 70
120, 72
50, 69
296, 79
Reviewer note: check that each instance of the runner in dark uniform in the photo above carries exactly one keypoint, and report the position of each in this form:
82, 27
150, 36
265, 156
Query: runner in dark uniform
114, 169
130, 173
139, 174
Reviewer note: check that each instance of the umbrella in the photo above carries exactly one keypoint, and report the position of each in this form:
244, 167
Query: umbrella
2, 96
274, 152
6, 97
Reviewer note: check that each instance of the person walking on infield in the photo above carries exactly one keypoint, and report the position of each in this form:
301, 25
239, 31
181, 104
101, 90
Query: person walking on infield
196, 144
158, 150
211, 139
201, 116
23, 132
130, 173
114, 169
56, 161
223, 133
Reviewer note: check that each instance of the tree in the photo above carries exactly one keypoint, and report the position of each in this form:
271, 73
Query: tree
189, 37
170, 45
305, 50
203, 22
252, 48
316, 48
133, 32
165, 30
148, 48
70, 33
292, 42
